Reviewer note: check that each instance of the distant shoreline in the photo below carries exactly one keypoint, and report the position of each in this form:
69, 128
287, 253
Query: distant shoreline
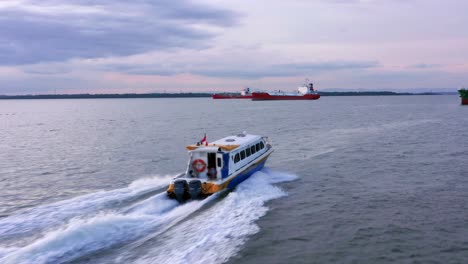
187, 95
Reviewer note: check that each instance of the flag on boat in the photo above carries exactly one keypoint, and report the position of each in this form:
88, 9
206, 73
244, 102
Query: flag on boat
204, 140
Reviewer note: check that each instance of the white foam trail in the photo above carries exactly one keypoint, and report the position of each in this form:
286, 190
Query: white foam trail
52, 215
148, 206
178, 214
6, 251
275, 176
84, 236
218, 233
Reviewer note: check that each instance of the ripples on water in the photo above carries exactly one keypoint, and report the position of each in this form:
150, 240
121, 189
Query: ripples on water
380, 179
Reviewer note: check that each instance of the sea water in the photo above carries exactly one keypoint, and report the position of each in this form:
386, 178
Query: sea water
352, 180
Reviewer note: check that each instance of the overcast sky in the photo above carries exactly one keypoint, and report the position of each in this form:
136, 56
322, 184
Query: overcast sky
107, 46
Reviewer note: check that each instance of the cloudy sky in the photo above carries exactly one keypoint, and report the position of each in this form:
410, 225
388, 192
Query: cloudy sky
107, 46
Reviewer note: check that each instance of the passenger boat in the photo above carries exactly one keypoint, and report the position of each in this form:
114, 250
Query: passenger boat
220, 165
244, 94
304, 92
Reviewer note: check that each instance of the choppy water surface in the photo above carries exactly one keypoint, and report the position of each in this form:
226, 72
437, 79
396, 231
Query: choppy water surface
352, 180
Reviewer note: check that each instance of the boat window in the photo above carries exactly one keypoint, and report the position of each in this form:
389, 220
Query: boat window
262, 145
247, 152
252, 149
257, 146
242, 153
219, 162
236, 158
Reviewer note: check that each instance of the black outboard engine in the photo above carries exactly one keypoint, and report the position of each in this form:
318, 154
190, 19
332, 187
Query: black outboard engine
194, 188
180, 186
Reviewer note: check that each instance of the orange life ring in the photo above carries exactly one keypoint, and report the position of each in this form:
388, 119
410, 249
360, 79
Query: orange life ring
199, 165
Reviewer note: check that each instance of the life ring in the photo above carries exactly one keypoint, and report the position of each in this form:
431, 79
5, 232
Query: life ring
199, 165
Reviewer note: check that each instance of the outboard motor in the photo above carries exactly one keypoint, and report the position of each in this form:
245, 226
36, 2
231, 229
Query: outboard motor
194, 188
180, 186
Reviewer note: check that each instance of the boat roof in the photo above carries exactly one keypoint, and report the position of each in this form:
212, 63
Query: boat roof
228, 143
239, 139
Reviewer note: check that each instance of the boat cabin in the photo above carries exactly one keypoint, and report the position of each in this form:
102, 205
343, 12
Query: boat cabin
307, 88
224, 157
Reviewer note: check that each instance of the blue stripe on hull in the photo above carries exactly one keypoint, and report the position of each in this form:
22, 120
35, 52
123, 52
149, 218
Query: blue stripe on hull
244, 175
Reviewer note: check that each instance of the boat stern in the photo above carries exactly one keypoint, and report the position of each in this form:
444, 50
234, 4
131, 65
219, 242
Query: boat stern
185, 189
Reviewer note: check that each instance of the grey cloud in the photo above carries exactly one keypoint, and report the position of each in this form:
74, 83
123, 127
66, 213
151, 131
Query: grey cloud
143, 70
243, 71
125, 28
282, 70
424, 66
329, 65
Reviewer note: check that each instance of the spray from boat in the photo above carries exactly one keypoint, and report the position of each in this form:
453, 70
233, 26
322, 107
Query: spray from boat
141, 221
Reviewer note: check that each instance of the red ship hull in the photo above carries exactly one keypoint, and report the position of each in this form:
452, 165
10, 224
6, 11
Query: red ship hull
464, 101
267, 96
231, 96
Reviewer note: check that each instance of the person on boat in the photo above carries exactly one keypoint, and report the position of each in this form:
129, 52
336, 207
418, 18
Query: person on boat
211, 173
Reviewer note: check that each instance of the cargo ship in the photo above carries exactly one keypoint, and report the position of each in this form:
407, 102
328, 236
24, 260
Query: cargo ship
244, 94
219, 165
464, 96
304, 92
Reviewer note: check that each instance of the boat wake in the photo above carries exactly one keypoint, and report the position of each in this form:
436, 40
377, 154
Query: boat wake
89, 231
217, 234
29, 224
